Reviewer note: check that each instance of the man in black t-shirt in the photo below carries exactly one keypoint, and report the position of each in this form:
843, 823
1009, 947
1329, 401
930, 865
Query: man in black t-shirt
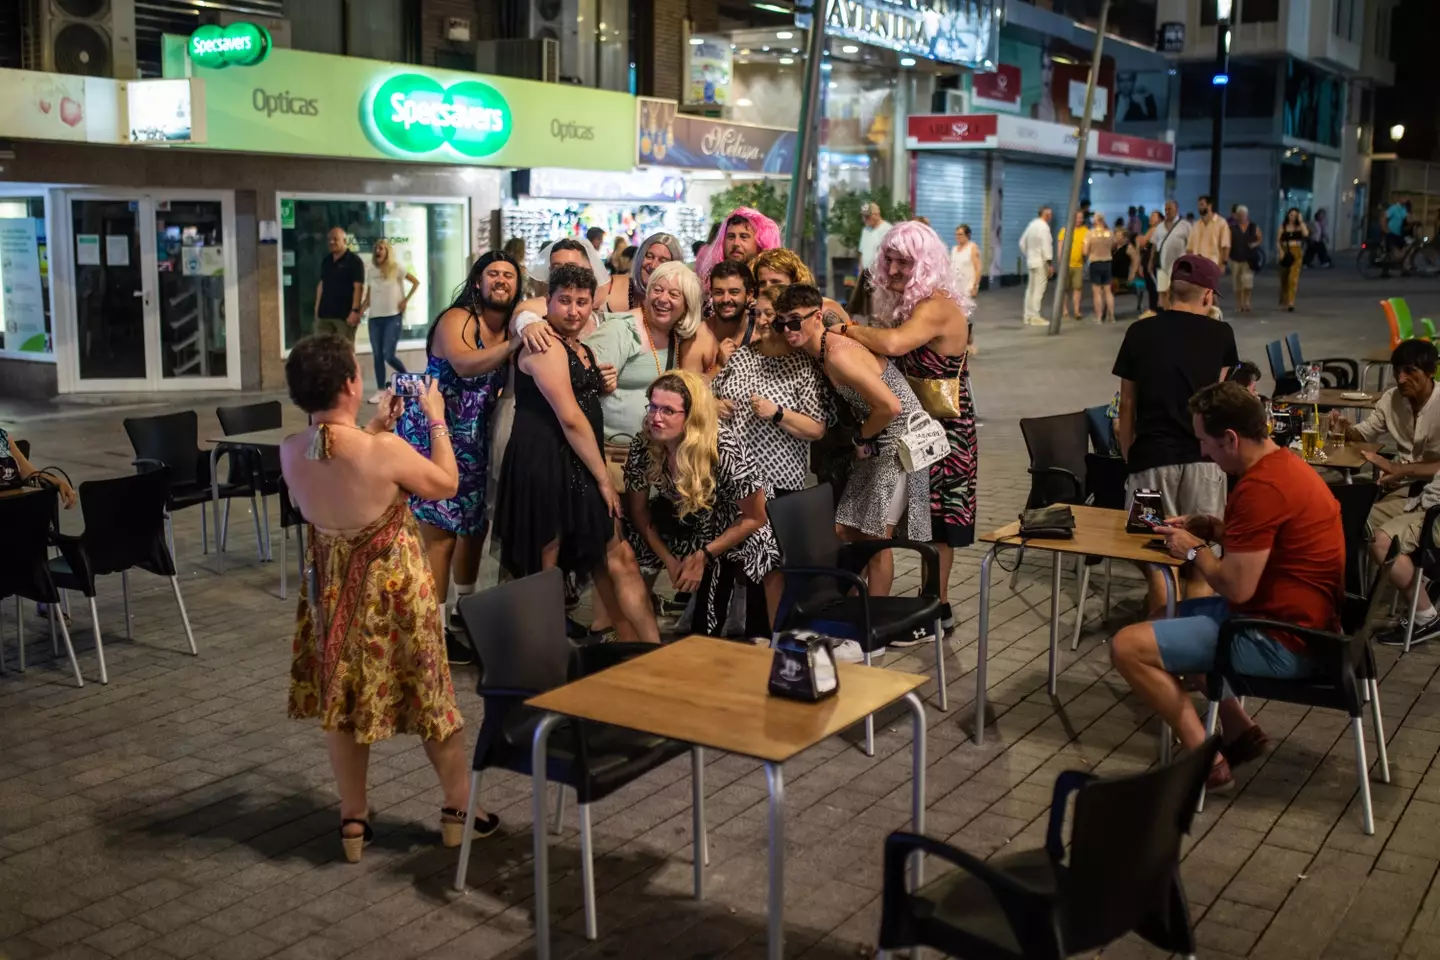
1163, 361
342, 282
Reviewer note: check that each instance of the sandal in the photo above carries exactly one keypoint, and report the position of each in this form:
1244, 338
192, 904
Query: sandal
452, 826
354, 846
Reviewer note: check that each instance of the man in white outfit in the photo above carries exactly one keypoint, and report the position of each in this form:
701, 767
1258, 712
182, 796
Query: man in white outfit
1169, 240
1038, 248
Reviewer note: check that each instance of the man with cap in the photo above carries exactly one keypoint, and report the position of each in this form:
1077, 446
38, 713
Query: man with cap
1163, 361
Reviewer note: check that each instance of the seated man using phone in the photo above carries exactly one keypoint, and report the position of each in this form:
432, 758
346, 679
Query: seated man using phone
1284, 559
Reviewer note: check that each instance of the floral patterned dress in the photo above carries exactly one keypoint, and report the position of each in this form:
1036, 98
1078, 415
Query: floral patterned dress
469, 404
952, 480
368, 658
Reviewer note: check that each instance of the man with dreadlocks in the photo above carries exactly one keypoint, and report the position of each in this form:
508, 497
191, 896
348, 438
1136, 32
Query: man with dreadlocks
469, 348
923, 321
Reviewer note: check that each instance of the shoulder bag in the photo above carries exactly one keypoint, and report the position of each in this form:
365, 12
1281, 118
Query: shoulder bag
939, 398
923, 443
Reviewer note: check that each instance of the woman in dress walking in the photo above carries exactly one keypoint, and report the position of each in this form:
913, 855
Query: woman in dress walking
385, 300
368, 660
1293, 237
965, 265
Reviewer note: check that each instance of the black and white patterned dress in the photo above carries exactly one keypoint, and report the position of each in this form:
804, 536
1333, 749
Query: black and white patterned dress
872, 482
735, 479
793, 381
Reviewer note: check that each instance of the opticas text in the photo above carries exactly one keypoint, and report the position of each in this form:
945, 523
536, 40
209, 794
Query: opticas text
283, 102
430, 113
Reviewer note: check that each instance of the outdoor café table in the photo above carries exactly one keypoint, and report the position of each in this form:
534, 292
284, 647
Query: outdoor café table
1346, 458
257, 440
1329, 398
1098, 533
1375, 358
714, 693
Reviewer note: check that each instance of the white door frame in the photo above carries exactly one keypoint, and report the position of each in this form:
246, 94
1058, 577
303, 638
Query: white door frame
62, 265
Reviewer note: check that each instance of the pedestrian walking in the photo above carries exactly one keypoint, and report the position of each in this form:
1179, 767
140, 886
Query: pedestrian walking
1038, 249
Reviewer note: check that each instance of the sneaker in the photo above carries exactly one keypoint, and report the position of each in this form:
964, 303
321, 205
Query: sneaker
1395, 636
457, 651
848, 651
376, 397
917, 636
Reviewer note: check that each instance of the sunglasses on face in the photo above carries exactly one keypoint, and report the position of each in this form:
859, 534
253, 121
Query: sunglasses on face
793, 321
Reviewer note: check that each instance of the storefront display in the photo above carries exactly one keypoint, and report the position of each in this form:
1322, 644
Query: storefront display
24, 278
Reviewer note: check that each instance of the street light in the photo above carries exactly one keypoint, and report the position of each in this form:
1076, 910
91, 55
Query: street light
1397, 131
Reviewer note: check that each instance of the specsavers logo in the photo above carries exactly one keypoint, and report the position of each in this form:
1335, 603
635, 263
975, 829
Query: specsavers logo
414, 115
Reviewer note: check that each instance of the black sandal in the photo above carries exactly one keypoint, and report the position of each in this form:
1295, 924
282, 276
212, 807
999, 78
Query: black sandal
355, 845
452, 826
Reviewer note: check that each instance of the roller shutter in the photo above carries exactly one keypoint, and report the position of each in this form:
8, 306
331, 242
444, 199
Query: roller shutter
950, 190
1028, 187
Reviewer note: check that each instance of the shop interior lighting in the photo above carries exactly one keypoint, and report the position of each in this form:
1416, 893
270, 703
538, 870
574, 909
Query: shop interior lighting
786, 61
784, 35
773, 8
744, 102
765, 49
907, 61
696, 41
827, 67
745, 52
794, 49
849, 48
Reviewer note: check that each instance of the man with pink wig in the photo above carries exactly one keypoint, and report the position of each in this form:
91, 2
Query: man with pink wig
922, 320
745, 233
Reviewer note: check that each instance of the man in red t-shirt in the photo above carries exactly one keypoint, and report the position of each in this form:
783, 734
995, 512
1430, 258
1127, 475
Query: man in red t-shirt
1284, 559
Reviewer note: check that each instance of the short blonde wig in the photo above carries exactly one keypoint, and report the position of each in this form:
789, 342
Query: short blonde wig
689, 285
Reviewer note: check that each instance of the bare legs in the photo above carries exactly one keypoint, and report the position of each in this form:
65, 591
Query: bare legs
1402, 574
449, 555
880, 571
448, 758
350, 760
947, 562
619, 588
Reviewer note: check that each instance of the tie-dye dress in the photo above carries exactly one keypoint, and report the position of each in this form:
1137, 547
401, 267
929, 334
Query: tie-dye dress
952, 480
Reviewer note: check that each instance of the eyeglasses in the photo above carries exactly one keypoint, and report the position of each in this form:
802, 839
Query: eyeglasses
793, 321
655, 409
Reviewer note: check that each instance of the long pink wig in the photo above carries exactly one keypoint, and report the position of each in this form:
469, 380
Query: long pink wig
767, 237
918, 242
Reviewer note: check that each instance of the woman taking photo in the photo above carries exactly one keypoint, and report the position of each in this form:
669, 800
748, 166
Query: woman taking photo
368, 659
386, 299
879, 491
557, 505
707, 521
1099, 249
1293, 236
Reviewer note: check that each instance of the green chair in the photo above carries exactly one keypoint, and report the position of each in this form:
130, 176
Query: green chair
1407, 323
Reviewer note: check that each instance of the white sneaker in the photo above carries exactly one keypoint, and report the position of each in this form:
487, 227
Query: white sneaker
376, 397
848, 651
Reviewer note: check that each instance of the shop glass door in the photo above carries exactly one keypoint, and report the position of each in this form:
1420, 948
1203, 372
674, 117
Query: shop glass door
154, 302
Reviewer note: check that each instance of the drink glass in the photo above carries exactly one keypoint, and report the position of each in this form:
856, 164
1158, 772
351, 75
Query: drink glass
1309, 434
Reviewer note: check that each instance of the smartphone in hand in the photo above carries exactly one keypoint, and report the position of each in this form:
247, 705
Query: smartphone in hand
408, 384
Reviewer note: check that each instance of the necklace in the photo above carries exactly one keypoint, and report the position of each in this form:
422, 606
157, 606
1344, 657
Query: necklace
654, 354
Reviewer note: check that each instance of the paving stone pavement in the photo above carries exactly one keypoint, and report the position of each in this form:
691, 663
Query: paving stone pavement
176, 812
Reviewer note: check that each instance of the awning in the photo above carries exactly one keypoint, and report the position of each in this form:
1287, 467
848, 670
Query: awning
1004, 131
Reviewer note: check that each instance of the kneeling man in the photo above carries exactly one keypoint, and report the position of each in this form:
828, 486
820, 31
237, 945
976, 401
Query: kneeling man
1283, 559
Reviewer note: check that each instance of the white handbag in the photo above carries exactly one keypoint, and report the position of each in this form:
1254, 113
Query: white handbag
923, 443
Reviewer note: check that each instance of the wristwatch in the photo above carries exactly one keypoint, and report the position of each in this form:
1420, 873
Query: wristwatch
1191, 553
778, 415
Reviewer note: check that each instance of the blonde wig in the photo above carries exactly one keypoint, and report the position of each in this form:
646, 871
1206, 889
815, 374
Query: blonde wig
689, 285
785, 261
699, 450
389, 269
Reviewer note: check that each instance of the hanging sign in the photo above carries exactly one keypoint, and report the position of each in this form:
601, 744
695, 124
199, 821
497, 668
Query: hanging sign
412, 114
238, 45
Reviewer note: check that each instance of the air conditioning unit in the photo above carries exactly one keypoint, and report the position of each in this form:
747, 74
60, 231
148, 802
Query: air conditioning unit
559, 20
524, 59
94, 38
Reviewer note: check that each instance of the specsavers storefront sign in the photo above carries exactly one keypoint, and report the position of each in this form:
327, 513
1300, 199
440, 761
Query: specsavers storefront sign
315, 104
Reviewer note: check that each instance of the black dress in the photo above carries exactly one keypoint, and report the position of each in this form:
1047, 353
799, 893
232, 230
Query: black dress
546, 491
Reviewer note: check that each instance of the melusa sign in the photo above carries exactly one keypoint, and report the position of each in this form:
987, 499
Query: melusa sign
668, 138
966, 32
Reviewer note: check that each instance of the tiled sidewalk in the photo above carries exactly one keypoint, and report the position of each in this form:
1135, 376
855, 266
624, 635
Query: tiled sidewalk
178, 813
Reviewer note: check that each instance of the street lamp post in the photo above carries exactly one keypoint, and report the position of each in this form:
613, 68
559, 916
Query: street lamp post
1221, 81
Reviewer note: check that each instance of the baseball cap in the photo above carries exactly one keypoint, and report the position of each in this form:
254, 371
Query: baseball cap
1201, 271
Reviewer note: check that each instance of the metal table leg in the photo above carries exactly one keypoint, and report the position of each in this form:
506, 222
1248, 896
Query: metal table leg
775, 931
1171, 576
982, 644
917, 777
538, 753
215, 501
1054, 619
697, 824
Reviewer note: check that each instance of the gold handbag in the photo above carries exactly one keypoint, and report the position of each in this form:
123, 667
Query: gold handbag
939, 398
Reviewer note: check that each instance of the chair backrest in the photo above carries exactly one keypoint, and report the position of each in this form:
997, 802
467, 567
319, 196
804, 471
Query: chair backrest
1105, 481
250, 417
1277, 360
1292, 343
518, 629
1061, 440
1403, 317
1355, 501
24, 447
290, 515
26, 519
125, 523
1125, 847
804, 524
173, 439
1394, 323
1102, 430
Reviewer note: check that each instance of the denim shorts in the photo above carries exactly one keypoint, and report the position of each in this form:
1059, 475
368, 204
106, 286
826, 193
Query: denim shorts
1187, 644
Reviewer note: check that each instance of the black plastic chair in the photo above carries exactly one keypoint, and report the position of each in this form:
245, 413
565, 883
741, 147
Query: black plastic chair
1355, 501
173, 440
1057, 446
24, 566
1345, 677
124, 531
1105, 478
1285, 380
1122, 874
821, 570
258, 468
1427, 569
518, 629
1342, 373
289, 517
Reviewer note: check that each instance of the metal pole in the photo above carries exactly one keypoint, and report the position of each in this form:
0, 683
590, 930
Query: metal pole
808, 135
1217, 122
1062, 268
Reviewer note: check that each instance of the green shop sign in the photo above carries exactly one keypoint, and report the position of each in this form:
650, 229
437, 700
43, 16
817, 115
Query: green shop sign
238, 45
313, 104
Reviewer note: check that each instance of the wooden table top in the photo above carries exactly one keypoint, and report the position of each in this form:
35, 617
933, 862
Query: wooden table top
1350, 456
1098, 533
256, 438
1330, 397
714, 693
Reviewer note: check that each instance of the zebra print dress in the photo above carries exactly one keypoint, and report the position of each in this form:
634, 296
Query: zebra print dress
952, 480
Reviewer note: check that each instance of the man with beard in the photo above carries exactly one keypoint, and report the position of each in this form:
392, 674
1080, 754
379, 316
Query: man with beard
746, 233
923, 322
732, 289
469, 348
